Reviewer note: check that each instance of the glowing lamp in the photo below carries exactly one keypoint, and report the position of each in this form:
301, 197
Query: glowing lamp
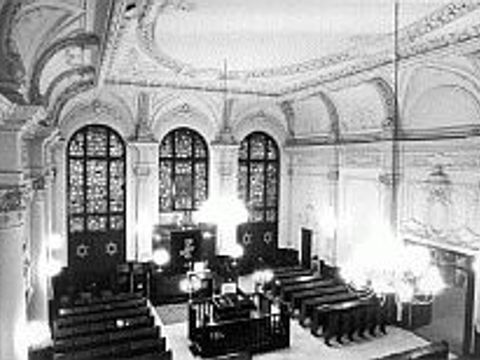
236, 251
223, 210
263, 276
190, 285
52, 267
35, 334
418, 259
55, 242
161, 257
431, 283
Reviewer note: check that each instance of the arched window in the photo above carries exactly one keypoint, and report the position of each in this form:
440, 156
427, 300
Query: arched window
96, 195
183, 170
259, 169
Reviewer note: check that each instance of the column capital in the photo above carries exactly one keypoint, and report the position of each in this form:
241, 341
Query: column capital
13, 202
333, 175
388, 178
225, 138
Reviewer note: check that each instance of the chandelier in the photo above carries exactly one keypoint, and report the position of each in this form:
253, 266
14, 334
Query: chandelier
388, 266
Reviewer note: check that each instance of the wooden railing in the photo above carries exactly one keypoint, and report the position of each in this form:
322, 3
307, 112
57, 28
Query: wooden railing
268, 328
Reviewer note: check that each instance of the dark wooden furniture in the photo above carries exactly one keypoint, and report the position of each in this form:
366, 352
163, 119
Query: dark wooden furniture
108, 327
298, 297
260, 243
267, 328
305, 284
416, 314
185, 245
232, 306
308, 306
349, 317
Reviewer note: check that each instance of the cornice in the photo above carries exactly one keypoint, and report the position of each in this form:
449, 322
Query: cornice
442, 45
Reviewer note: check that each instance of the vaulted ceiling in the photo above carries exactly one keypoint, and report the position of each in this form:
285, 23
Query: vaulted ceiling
51, 51
275, 48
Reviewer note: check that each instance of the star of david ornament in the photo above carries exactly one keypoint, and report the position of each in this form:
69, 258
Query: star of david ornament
267, 237
82, 251
111, 248
247, 238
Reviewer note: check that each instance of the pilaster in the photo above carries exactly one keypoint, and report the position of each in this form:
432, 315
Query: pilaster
37, 309
225, 183
142, 198
12, 296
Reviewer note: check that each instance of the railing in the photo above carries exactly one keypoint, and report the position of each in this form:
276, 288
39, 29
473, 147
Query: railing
267, 329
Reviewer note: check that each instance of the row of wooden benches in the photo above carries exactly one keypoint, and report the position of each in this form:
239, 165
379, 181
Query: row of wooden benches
112, 327
329, 306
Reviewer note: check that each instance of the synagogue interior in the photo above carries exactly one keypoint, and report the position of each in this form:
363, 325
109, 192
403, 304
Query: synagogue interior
212, 179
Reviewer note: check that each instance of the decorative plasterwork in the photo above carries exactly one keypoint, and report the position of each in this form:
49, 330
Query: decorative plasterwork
143, 130
463, 239
362, 157
96, 110
6, 108
83, 39
420, 38
69, 93
387, 94
11, 61
14, 198
432, 22
289, 113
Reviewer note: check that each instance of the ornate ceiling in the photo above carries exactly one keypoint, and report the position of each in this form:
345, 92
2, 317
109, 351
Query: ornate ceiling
52, 51
273, 50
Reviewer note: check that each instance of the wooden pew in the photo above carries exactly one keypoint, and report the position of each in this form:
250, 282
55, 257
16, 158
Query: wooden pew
308, 306
87, 341
292, 274
288, 290
81, 310
286, 269
298, 297
350, 317
111, 325
127, 349
102, 316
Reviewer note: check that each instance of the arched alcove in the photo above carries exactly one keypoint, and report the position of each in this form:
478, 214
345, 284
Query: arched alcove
443, 106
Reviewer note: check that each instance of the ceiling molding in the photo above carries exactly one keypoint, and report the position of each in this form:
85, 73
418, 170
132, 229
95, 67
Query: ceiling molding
82, 39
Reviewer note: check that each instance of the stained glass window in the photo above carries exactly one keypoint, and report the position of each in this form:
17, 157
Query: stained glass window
183, 167
258, 176
96, 180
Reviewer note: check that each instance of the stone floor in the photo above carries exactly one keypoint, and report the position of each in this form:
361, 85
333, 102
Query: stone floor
305, 347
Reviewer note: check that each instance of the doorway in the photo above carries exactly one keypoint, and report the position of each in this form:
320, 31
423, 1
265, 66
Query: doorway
306, 253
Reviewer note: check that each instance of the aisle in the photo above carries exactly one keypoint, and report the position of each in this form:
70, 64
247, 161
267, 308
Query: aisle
305, 347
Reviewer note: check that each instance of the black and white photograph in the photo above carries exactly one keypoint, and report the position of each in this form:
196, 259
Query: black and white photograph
239, 179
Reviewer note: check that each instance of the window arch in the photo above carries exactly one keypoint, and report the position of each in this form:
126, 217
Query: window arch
96, 180
96, 199
183, 170
259, 176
